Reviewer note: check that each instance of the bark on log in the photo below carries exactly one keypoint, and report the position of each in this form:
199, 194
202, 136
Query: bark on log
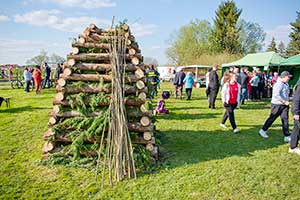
65, 139
140, 140
103, 56
92, 45
99, 67
69, 89
128, 102
74, 113
130, 78
137, 127
145, 121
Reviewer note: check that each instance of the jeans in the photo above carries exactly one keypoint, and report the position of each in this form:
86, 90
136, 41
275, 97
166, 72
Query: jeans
276, 111
229, 113
244, 95
177, 88
46, 81
213, 93
27, 85
295, 135
188, 92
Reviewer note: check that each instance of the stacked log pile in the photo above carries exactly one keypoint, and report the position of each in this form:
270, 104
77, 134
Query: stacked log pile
77, 122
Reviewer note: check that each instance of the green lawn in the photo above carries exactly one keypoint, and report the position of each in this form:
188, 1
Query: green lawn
200, 160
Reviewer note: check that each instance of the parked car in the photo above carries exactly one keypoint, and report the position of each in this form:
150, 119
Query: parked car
167, 77
201, 82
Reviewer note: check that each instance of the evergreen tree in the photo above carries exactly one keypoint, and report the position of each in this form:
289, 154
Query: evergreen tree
272, 45
294, 45
281, 49
226, 35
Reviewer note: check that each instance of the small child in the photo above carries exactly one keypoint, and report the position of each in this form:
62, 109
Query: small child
160, 108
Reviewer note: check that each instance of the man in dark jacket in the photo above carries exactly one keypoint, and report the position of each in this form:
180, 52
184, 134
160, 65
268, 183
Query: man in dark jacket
58, 71
296, 112
213, 86
178, 83
244, 84
47, 76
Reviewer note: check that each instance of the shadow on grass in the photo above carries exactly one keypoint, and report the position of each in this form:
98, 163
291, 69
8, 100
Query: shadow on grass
21, 109
199, 146
188, 116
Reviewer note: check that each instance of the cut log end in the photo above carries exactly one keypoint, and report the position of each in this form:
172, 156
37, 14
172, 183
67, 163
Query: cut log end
140, 84
139, 73
150, 147
71, 62
67, 72
81, 40
59, 96
147, 136
145, 121
48, 146
135, 61
52, 121
61, 82
75, 50
131, 51
142, 96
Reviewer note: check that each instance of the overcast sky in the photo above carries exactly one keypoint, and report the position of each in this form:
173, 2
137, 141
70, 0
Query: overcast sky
28, 26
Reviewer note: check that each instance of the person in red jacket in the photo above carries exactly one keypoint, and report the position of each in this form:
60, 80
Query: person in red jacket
231, 92
37, 77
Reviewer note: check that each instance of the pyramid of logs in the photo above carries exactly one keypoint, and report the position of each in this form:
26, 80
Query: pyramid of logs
87, 72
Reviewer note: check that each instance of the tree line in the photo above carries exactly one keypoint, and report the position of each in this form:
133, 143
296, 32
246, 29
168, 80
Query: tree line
228, 38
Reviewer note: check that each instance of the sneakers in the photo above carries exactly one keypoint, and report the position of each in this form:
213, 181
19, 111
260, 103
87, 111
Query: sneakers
263, 133
223, 125
235, 130
287, 139
295, 150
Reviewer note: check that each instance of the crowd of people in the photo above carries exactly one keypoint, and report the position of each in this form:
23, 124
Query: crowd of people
34, 75
238, 86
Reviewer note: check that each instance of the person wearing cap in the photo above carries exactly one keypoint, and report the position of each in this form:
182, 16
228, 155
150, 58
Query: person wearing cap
279, 106
296, 112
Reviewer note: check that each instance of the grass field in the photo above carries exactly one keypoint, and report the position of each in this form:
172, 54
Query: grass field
200, 160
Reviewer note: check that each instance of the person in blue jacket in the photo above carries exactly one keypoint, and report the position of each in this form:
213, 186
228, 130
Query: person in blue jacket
189, 82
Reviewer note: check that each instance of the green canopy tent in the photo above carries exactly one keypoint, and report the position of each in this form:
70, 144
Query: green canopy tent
292, 61
258, 60
292, 64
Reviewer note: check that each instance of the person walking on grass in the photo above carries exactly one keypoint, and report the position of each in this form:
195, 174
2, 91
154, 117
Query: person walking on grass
231, 92
189, 82
254, 86
178, 82
47, 76
213, 86
244, 84
296, 113
37, 77
279, 106
27, 79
